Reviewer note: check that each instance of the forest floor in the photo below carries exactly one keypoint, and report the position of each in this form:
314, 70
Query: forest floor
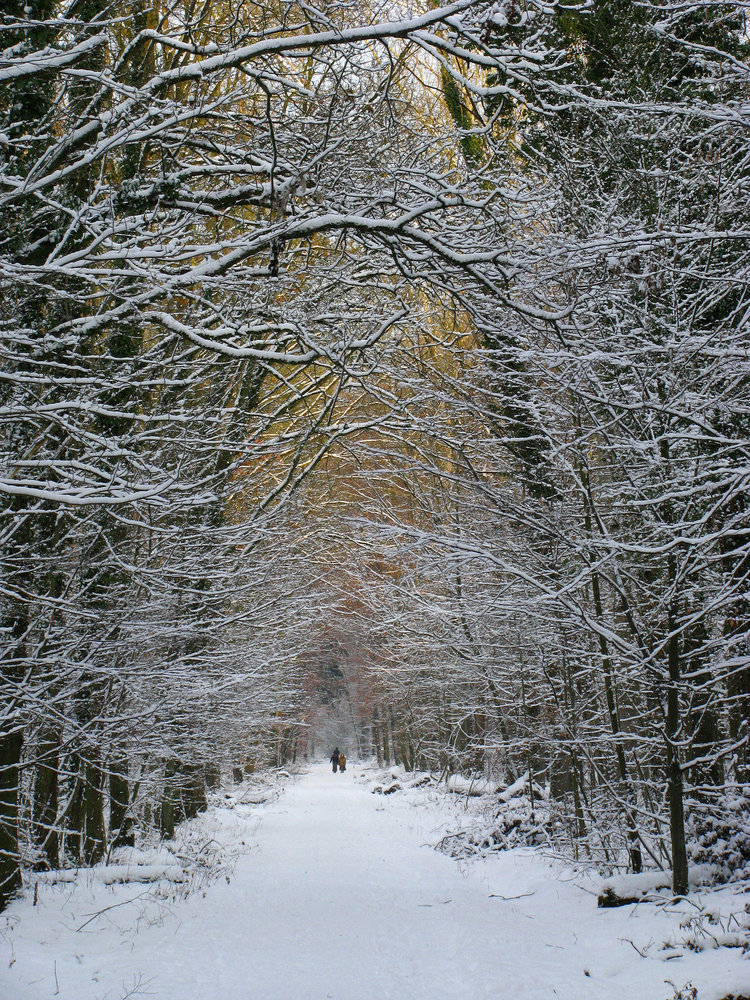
335, 893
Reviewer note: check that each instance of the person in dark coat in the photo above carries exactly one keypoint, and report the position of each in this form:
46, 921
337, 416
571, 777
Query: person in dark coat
335, 759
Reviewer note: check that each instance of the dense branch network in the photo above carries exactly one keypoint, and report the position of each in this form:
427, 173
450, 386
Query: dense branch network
377, 363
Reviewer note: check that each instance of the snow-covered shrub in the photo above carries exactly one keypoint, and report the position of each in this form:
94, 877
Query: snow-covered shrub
720, 834
709, 929
510, 824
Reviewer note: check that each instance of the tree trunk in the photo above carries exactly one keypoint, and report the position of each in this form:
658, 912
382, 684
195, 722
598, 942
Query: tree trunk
120, 823
194, 791
386, 744
628, 794
169, 802
580, 820
738, 692
674, 768
94, 837
46, 798
10, 871
376, 739
74, 824
212, 776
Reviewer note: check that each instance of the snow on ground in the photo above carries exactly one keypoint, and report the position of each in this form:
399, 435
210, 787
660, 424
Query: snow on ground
337, 894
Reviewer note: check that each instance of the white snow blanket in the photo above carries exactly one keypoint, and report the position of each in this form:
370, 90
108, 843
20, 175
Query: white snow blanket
341, 896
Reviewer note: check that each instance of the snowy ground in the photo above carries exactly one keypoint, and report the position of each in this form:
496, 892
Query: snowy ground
336, 894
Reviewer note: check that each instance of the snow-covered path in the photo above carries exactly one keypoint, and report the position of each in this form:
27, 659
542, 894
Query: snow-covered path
352, 905
343, 900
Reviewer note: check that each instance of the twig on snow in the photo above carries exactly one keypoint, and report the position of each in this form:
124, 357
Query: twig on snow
644, 953
112, 907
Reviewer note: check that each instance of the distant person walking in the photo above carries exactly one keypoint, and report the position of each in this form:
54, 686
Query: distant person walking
335, 759
342, 762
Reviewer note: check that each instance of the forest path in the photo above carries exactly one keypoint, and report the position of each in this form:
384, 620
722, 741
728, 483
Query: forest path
342, 898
